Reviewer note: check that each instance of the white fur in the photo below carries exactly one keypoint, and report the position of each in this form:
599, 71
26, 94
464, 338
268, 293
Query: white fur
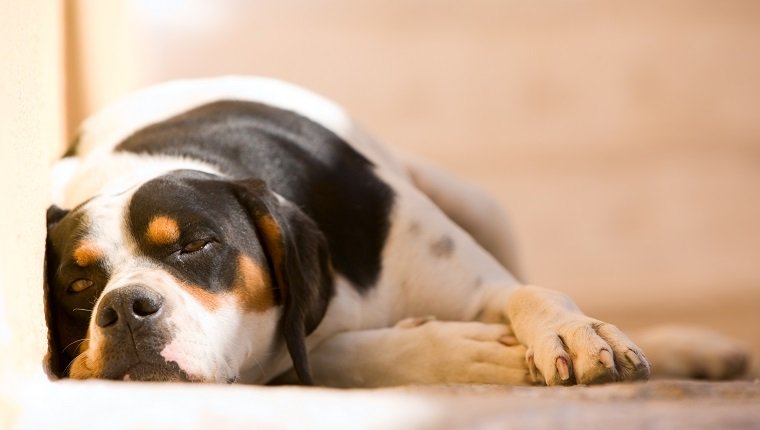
465, 283
111, 175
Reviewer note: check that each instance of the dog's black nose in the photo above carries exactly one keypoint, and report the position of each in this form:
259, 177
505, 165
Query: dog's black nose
134, 304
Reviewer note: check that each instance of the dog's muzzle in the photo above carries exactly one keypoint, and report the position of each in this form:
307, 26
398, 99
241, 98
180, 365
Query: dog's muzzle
133, 323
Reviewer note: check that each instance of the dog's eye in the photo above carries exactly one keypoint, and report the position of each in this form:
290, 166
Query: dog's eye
79, 285
195, 246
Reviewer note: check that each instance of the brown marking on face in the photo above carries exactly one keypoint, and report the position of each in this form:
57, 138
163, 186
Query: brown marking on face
162, 230
442, 247
207, 299
86, 253
252, 288
90, 361
86, 365
85, 345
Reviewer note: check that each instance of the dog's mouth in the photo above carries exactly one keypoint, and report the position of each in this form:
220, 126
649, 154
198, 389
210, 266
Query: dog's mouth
143, 364
152, 372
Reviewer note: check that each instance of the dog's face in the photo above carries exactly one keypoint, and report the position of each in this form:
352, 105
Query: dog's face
188, 277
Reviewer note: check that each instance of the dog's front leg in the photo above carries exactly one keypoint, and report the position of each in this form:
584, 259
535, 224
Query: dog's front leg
442, 271
565, 346
419, 351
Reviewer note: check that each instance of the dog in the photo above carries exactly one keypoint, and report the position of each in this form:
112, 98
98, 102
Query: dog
243, 229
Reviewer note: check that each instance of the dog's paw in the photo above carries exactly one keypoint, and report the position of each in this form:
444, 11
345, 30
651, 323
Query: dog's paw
693, 352
413, 322
466, 353
582, 350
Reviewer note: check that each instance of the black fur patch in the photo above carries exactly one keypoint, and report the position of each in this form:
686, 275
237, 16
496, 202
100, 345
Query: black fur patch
67, 314
298, 159
443, 247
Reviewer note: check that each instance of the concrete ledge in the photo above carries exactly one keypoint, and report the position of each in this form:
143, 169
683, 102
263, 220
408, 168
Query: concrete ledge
118, 405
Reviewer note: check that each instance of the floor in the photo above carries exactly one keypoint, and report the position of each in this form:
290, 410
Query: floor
661, 404
123, 406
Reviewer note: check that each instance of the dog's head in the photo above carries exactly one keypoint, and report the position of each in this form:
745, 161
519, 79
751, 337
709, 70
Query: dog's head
186, 277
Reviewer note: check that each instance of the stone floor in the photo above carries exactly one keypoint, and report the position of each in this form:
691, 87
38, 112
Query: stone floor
117, 406
657, 404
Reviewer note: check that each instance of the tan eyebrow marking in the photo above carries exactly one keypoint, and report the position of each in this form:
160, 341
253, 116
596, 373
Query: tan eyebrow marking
252, 287
162, 230
86, 253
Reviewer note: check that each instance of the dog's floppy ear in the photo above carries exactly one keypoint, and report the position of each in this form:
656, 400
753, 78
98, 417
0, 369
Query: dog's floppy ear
55, 214
54, 362
300, 263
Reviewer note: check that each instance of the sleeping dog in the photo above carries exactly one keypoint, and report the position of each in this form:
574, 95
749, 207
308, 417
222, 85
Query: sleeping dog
246, 230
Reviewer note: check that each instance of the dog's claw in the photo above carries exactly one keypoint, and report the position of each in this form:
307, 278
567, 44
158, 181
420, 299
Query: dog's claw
633, 358
531, 365
563, 368
605, 357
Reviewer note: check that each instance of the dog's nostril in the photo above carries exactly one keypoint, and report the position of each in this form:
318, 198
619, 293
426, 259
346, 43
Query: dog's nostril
107, 317
145, 306
128, 305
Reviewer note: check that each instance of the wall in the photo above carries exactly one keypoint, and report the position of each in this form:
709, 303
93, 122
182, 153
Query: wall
31, 123
100, 56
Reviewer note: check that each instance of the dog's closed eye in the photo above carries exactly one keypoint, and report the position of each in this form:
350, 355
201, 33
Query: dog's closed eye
79, 285
195, 246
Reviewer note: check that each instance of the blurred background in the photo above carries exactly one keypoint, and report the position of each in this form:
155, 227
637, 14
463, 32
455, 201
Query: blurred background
623, 137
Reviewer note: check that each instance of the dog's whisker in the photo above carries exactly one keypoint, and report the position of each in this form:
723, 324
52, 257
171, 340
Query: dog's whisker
258, 364
72, 343
68, 367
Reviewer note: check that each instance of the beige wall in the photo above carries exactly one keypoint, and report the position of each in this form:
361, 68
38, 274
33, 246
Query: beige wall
31, 122
100, 56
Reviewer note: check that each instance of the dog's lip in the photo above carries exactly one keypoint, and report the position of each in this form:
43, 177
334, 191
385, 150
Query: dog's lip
152, 371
